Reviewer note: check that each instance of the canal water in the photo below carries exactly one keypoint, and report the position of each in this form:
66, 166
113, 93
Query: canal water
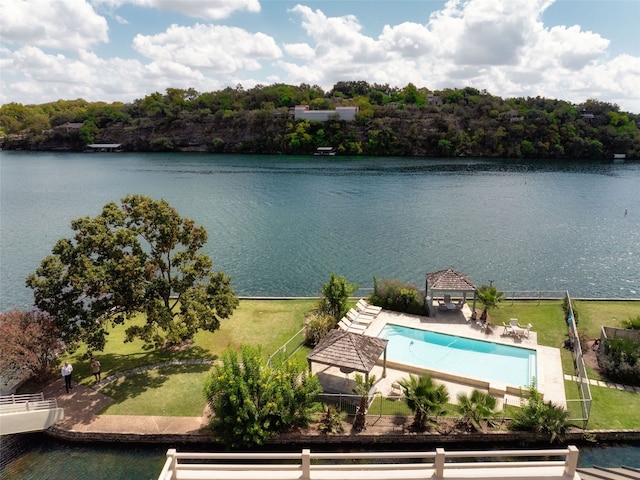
280, 225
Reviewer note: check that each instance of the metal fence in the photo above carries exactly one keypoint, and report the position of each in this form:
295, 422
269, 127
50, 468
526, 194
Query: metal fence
289, 348
580, 409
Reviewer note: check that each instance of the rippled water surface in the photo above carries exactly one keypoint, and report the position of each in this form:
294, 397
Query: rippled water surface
281, 225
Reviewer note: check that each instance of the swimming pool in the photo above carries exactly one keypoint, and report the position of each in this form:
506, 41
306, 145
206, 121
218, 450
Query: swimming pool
477, 359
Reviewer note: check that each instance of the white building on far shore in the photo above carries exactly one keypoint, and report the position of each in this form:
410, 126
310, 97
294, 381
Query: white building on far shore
302, 112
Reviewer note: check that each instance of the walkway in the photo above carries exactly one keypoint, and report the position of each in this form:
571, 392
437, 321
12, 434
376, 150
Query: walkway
601, 383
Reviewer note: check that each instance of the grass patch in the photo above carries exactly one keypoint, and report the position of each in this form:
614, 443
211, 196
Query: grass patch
170, 391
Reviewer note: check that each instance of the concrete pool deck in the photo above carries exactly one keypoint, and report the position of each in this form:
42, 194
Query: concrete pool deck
550, 378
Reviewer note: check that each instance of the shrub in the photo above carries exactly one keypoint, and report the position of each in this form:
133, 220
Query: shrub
632, 324
317, 327
619, 360
398, 296
540, 417
475, 407
252, 402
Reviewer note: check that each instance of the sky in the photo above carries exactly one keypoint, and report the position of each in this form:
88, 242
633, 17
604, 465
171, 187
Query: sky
122, 50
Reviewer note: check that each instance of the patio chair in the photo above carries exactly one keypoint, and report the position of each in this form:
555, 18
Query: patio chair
353, 327
508, 329
366, 308
521, 331
356, 317
514, 323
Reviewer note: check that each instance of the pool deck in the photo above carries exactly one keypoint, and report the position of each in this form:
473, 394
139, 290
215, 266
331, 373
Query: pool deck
550, 379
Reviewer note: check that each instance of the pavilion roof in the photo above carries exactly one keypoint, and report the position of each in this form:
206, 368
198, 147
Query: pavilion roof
352, 351
449, 279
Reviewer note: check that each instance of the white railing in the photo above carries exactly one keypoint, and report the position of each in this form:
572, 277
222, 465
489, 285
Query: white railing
26, 403
306, 465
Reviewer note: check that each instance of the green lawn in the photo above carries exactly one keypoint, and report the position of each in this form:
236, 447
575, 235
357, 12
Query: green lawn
270, 323
170, 391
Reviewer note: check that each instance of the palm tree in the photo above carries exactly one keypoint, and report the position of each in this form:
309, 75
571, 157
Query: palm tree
425, 398
490, 298
476, 407
362, 388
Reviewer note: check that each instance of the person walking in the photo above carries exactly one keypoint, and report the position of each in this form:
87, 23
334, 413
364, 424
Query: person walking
95, 368
66, 374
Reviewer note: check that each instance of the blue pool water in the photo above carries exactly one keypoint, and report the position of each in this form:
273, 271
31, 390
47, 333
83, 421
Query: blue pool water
477, 359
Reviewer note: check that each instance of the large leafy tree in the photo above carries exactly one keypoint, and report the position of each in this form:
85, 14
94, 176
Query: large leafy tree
29, 343
253, 401
137, 257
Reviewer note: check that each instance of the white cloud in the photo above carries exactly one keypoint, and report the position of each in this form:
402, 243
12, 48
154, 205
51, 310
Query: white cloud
206, 9
56, 49
60, 24
219, 48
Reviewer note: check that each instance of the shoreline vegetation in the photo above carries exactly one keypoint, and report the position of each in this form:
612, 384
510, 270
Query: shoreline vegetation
410, 121
271, 323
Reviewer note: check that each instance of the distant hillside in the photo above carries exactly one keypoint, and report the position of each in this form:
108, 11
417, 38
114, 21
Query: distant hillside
409, 121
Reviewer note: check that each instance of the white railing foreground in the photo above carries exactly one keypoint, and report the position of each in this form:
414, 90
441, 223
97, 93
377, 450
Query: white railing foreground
307, 465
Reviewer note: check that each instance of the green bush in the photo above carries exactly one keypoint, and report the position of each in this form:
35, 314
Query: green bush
317, 327
632, 324
620, 360
540, 417
252, 402
398, 296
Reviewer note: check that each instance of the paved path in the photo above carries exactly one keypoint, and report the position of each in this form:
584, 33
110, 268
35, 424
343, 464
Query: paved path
601, 383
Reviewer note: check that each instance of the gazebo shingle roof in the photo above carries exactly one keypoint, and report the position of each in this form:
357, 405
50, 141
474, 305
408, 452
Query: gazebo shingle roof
449, 280
348, 350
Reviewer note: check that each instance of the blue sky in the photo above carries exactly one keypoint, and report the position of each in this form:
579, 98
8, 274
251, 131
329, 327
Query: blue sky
120, 50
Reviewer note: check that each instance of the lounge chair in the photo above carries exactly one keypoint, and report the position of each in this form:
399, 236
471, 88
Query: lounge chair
366, 308
356, 317
350, 326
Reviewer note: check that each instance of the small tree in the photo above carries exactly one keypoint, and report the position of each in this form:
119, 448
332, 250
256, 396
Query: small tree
252, 402
539, 416
425, 398
362, 388
335, 296
476, 407
29, 341
490, 298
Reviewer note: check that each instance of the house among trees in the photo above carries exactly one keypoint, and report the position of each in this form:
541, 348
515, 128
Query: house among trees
436, 100
302, 112
69, 126
512, 116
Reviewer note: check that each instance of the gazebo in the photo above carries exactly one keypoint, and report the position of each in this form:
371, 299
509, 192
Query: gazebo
448, 282
350, 352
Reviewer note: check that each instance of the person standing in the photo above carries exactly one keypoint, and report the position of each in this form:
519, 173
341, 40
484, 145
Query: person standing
95, 368
66, 374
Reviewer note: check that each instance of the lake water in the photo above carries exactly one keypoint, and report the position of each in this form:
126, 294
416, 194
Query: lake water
280, 225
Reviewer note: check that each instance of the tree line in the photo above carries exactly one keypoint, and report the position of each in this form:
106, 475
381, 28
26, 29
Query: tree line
408, 121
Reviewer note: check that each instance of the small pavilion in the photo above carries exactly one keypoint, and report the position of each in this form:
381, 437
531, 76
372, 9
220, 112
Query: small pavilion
350, 352
449, 282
